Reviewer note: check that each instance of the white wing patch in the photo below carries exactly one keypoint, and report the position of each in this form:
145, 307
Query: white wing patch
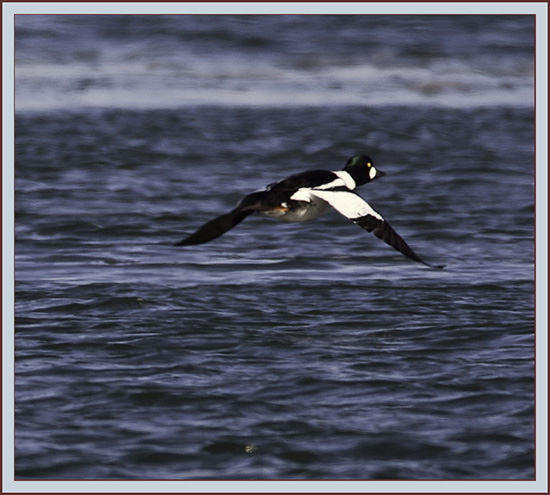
343, 180
338, 182
347, 203
302, 195
347, 179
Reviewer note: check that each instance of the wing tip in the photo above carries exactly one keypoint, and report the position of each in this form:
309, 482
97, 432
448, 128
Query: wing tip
438, 267
183, 242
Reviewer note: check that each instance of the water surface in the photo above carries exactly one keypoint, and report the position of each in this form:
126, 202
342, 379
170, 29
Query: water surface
278, 351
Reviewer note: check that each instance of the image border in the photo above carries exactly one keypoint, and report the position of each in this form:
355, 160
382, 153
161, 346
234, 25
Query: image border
540, 484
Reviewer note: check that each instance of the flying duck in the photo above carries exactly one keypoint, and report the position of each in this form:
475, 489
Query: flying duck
307, 195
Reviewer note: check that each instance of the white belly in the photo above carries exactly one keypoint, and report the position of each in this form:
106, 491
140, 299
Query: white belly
308, 208
311, 211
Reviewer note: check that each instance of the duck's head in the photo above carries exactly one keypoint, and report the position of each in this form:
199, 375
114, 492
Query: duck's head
362, 170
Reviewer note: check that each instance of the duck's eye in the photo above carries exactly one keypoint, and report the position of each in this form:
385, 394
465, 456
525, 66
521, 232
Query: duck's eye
369, 164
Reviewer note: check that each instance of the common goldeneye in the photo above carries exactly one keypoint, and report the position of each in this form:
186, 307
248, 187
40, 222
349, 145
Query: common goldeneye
308, 195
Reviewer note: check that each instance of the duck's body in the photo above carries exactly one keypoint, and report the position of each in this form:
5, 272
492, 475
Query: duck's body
294, 200
308, 195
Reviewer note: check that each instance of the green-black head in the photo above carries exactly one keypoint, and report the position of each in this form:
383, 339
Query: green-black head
362, 169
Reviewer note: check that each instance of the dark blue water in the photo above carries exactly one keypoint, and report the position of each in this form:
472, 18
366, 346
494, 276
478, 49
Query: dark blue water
278, 351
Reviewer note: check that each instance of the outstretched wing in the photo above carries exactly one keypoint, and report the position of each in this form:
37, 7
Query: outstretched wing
360, 212
216, 227
220, 225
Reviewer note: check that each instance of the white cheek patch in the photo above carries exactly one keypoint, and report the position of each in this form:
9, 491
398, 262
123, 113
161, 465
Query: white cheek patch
372, 173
